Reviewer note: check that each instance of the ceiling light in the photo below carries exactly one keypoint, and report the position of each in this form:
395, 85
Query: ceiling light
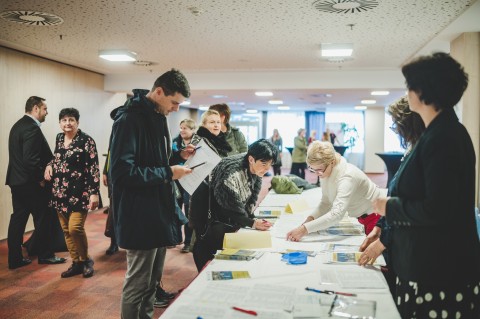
219, 96
360, 107
203, 107
369, 101
118, 55
263, 93
275, 102
251, 111
380, 93
283, 107
336, 49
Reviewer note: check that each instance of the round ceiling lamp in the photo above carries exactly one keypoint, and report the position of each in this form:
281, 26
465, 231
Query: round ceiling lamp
33, 18
345, 6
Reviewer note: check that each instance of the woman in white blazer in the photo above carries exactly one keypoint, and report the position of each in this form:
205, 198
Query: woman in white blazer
345, 188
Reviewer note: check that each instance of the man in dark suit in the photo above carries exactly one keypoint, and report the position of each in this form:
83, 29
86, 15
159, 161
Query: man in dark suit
29, 154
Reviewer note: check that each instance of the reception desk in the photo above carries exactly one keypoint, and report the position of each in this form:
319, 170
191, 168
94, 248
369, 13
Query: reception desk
392, 161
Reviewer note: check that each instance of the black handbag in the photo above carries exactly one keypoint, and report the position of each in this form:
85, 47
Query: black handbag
214, 230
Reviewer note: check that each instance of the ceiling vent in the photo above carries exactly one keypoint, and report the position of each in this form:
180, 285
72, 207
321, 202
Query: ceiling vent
345, 6
34, 18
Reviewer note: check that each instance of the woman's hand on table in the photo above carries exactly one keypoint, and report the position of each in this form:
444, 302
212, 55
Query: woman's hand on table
374, 235
370, 254
261, 224
297, 233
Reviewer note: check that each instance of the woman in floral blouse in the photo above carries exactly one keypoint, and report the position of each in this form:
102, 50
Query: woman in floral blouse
75, 188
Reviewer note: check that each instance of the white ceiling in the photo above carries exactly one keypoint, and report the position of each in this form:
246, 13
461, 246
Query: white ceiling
244, 40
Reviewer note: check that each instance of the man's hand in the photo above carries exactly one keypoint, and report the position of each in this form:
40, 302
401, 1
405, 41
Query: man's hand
261, 224
179, 171
93, 202
188, 151
105, 179
374, 235
48, 173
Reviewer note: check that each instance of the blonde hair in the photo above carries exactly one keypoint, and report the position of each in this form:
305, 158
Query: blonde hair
320, 152
208, 113
189, 123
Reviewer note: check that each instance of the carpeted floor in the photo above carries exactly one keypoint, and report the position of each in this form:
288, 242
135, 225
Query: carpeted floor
37, 291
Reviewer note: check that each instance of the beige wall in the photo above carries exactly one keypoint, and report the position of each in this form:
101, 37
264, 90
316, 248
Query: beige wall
466, 49
21, 76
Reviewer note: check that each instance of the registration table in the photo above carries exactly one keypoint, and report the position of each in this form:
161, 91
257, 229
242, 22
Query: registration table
275, 289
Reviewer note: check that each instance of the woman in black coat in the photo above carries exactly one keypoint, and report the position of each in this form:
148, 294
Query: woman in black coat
435, 245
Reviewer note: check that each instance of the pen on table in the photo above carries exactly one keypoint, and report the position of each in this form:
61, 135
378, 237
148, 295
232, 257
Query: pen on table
250, 312
330, 292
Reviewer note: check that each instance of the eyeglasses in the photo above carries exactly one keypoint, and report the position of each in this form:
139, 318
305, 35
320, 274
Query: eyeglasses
319, 170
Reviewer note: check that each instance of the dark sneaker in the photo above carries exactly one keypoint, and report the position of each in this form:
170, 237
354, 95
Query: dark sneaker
88, 268
185, 249
161, 303
75, 269
162, 294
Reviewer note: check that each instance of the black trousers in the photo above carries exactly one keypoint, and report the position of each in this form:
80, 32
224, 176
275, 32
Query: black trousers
298, 169
29, 199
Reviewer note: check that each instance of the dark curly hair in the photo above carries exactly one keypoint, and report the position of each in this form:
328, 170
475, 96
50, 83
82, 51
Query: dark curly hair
407, 124
438, 79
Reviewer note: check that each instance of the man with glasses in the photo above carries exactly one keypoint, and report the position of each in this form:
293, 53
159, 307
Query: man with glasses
345, 188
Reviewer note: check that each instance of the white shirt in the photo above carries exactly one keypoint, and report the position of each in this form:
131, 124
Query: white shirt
346, 190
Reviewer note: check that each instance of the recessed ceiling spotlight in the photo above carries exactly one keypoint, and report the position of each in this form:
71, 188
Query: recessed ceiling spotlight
328, 95
118, 55
283, 107
360, 107
264, 93
203, 107
251, 111
369, 101
380, 93
275, 102
219, 96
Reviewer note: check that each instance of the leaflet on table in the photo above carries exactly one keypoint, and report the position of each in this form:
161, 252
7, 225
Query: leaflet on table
227, 275
213, 310
352, 230
347, 258
353, 278
247, 240
205, 154
238, 254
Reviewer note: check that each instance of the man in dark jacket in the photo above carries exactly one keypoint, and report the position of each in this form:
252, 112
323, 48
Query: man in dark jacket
28, 154
143, 190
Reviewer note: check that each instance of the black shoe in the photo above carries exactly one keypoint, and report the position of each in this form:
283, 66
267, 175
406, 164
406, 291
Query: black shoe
112, 249
162, 294
88, 268
185, 249
52, 260
75, 269
21, 263
161, 303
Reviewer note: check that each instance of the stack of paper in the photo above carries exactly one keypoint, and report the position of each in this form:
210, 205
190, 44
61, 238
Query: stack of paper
238, 254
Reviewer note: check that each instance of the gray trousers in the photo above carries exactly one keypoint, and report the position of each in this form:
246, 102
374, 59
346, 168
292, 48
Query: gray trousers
144, 270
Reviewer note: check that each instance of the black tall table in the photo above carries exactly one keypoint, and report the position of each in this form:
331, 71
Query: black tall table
392, 161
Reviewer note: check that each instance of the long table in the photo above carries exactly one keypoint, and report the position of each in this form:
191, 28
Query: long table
275, 286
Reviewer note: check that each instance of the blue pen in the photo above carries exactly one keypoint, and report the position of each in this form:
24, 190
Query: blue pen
330, 292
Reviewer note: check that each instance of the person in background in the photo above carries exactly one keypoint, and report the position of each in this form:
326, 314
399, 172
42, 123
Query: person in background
187, 130
276, 140
345, 188
435, 247
234, 136
28, 155
325, 137
410, 127
143, 191
234, 187
299, 154
75, 177
110, 225
313, 136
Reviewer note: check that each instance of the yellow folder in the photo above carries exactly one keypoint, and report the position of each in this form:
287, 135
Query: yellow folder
296, 206
247, 240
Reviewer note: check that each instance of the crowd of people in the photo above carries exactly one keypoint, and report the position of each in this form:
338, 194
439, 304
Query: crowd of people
426, 213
